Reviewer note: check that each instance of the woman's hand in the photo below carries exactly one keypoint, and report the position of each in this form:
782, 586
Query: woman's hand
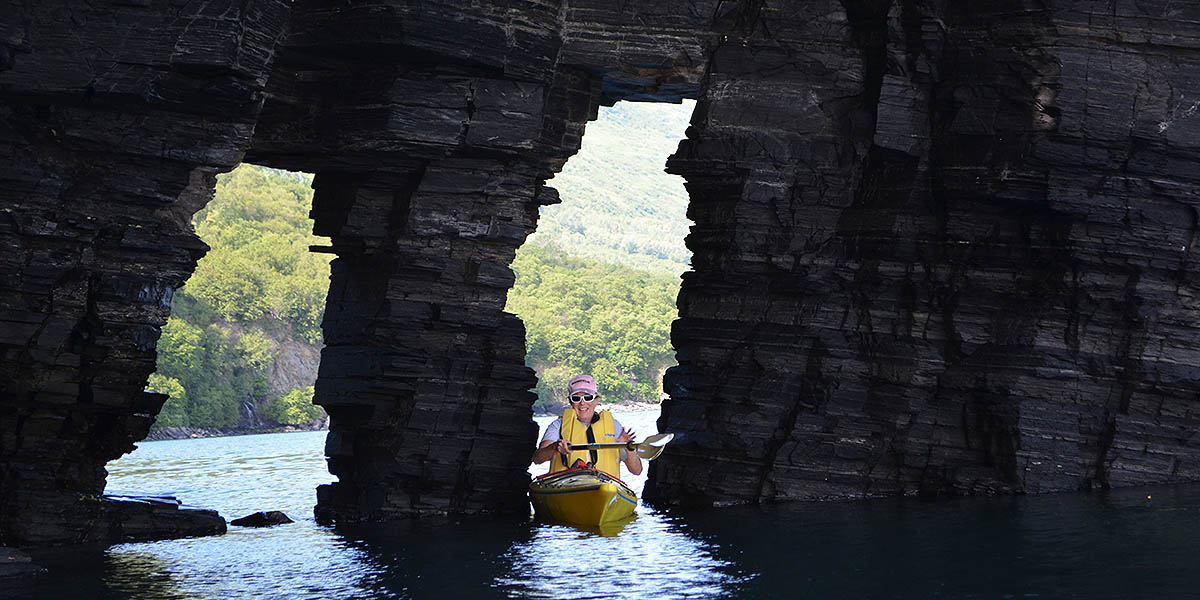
633, 462
626, 436
548, 449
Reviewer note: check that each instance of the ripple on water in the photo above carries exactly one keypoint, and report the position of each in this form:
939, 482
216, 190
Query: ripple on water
1118, 545
650, 557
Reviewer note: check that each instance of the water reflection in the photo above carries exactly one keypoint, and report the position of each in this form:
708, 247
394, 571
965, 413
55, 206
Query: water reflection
431, 558
139, 575
98, 573
650, 557
1118, 545
1115, 545
604, 529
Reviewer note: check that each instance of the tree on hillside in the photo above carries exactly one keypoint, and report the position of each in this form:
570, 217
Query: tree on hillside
258, 288
585, 316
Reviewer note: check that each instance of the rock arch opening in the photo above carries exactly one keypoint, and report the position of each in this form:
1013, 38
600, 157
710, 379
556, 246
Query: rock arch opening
241, 348
596, 283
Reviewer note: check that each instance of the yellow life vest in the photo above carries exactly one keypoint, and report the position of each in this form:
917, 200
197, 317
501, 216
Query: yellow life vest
603, 431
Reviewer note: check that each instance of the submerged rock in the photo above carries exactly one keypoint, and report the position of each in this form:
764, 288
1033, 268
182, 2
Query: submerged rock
262, 519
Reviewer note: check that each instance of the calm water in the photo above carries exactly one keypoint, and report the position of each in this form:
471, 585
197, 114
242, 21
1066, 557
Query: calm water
1121, 545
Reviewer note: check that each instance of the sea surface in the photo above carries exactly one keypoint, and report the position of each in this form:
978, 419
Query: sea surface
1129, 544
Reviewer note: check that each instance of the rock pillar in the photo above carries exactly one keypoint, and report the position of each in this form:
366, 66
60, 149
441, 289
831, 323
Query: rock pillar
430, 146
423, 373
939, 249
114, 121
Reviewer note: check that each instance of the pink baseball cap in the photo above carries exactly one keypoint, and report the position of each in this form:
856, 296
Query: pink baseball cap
581, 383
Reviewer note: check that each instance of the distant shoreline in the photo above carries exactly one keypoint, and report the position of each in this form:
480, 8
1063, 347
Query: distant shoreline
616, 408
191, 433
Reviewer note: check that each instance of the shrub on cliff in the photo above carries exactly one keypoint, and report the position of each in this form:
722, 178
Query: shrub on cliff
294, 408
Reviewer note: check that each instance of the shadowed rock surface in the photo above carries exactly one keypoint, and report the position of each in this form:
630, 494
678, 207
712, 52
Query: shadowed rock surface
114, 120
940, 248
262, 519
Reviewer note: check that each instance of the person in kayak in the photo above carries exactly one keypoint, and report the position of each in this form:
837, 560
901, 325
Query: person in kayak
581, 424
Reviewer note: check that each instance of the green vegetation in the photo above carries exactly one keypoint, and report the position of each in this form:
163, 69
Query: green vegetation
618, 206
584, 316
259, 265
596, 285
258, 290
294, 407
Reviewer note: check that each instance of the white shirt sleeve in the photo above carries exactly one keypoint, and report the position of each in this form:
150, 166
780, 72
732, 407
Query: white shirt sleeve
553, 432
619, 429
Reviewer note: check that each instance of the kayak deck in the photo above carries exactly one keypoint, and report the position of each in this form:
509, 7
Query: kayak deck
583, 496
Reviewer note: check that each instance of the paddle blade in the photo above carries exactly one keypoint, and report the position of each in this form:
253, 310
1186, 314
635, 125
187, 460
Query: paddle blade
659, 439
653, 445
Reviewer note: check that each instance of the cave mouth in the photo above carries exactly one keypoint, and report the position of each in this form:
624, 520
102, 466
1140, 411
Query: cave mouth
595, 287
241, 349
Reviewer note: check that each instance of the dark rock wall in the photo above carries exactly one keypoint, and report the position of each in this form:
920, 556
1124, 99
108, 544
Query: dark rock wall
643, 51
113, 123
940, 248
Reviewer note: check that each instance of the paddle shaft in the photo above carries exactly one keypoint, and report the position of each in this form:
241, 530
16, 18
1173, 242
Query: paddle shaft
649, 449
627, 445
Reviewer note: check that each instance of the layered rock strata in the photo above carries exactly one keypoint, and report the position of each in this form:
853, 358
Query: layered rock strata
645, 51
113, 123
431, 128
940, 248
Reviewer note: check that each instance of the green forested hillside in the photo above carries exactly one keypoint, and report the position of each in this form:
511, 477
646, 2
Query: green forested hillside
618, 206
259, 292
582, 316
596, 284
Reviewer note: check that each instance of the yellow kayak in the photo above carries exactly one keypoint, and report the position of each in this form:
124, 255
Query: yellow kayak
583, 496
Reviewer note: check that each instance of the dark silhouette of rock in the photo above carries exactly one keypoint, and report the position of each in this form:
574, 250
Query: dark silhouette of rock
940, 248
262, 519
133, 517
114, 121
